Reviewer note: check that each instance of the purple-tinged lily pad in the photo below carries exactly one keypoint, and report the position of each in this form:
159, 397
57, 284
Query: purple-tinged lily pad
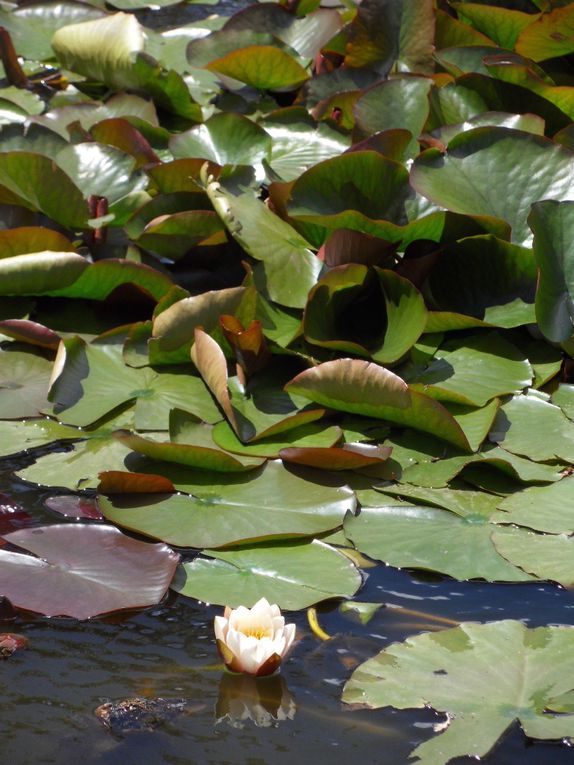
84, 570
73, 506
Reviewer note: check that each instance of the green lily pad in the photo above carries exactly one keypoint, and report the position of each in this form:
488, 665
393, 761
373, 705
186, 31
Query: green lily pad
24, 382
397, 103
545, 556
312, 435
200, 451
548, 36
563, 397
485, 677
37, 183
543, 508
298, 143
533, 427
225, 138
174, 327
553, 226
18, 436
366, 311
502, 25
294, 575
270, 240
304, 33
474, 371
100, 170
173, 236
458, 499
432, 539
274, 504
262, 66
344, 191
480, 162
31, 28
487, 278
102, 49
93, 380
361, 387
79, 467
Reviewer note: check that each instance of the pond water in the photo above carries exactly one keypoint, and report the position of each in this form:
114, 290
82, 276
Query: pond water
70, 668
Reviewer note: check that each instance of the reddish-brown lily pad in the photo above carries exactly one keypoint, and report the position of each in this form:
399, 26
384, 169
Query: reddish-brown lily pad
345, 457
83, 570
121, 482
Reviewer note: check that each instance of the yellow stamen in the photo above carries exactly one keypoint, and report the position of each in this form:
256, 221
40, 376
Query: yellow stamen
257, 632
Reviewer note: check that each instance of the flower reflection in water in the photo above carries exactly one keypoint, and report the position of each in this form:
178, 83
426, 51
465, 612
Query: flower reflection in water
265, 701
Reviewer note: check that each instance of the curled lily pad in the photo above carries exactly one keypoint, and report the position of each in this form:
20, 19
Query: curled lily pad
84, 570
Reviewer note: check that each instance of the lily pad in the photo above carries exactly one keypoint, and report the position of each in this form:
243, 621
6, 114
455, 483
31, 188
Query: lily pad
483, 676
532, 427
432, 539
480, 162
474, 371
294, 575
274, 504
546, 556
543, 508
93, 380
24, 381
553, 225
84, 570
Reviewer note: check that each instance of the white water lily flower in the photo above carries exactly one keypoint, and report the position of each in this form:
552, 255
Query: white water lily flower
253, 640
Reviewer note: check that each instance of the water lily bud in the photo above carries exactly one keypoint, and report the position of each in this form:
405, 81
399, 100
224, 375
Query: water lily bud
253, 640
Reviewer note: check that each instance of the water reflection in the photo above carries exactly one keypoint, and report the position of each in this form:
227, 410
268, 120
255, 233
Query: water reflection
265, 701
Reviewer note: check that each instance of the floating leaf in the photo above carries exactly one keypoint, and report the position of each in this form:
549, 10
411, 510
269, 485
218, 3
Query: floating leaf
485, 277
553, 226
294, 575
204, 454
84, 570
92, 380
474, 371
449, 670
24, 381
345, 457
271, 240
480, 161
261, 66
543, 508
225, 138
367, 311
545, 556
431, 539
534, 428
274, 504
352, 385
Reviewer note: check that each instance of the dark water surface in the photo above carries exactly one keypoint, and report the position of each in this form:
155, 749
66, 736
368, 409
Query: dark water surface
50, 690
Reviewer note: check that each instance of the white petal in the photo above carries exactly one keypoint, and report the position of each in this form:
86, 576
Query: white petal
220, 626
289, 636
232, 641
238, 614
278, 624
